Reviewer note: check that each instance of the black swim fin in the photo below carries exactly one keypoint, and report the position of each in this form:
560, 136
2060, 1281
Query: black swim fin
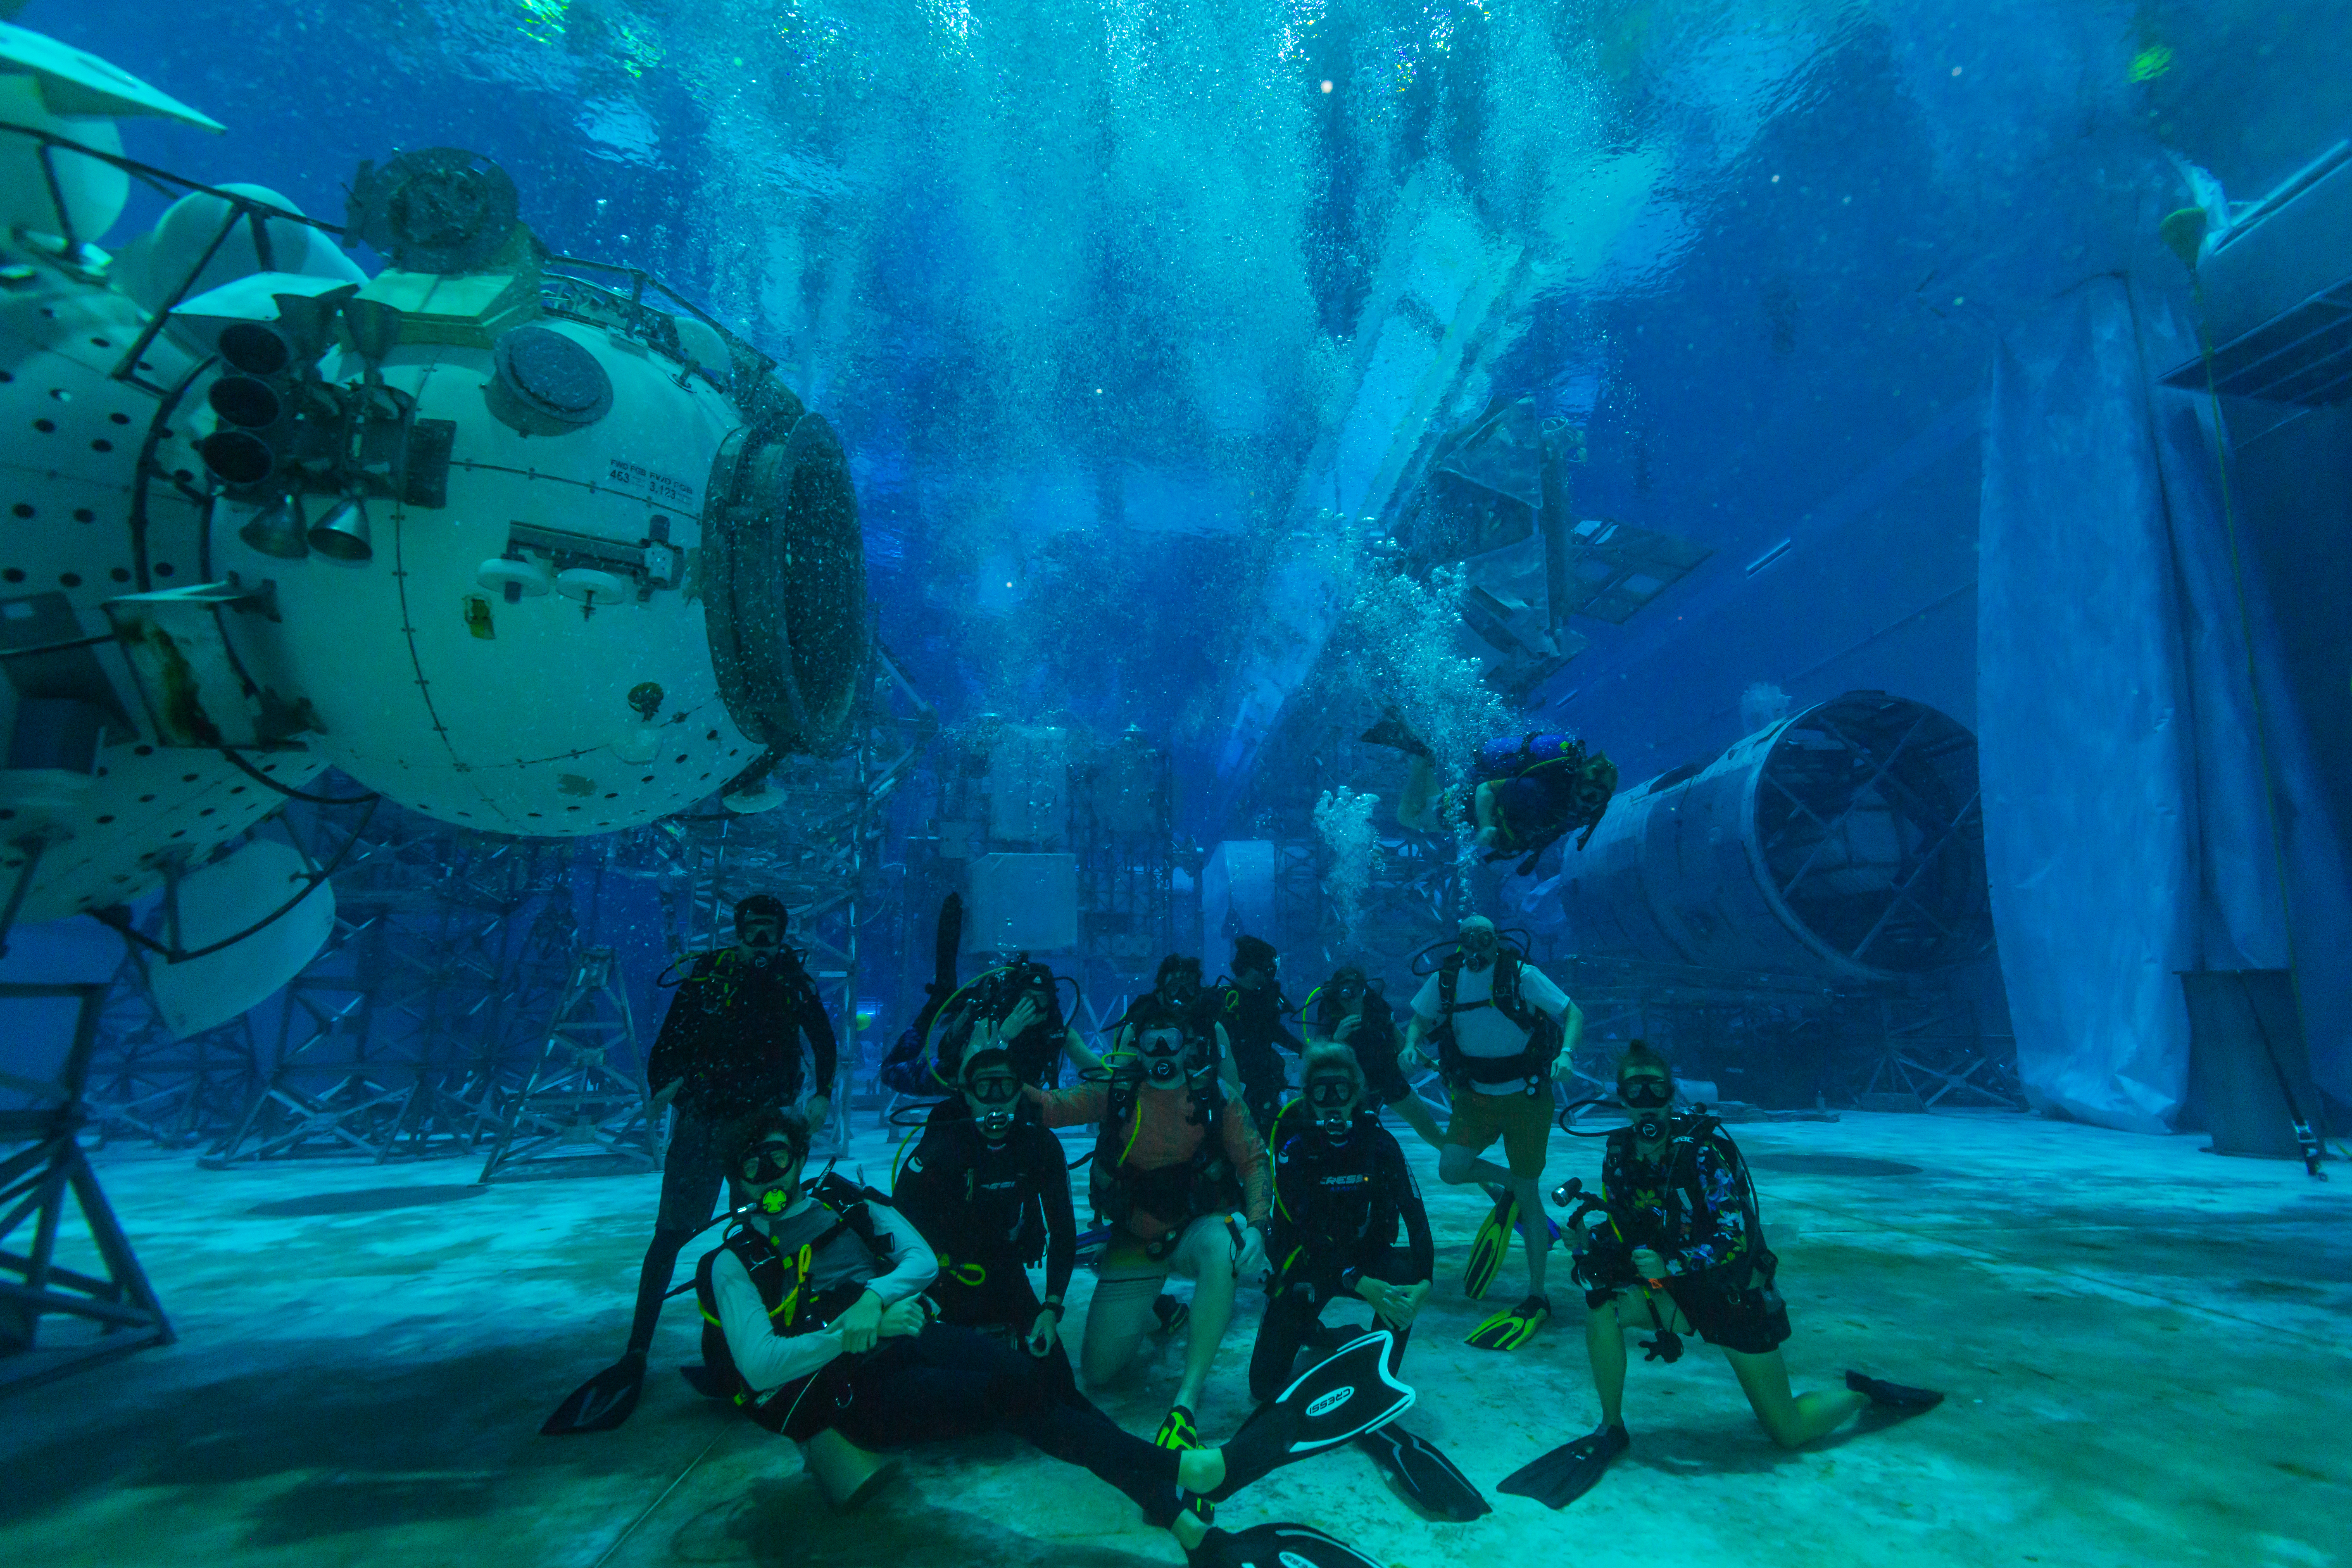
1894, 1395
1394, 732
1275, 1546
1330, 1402
602, 1402
1569, 1471
1429, 1480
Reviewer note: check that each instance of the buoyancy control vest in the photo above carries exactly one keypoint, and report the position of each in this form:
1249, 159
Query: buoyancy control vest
1203, 1184
805, 1406
1328, 1198
1543, 1032
1001, 1213
1686, 1209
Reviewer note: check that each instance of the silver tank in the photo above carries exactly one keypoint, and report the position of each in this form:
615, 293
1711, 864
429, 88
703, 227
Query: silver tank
1846, 842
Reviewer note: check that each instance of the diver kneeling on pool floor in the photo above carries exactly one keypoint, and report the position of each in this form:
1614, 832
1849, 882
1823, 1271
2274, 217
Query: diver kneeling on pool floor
816, 1327
1678, 1244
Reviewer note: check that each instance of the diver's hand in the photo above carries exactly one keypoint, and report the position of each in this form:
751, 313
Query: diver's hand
1647, 1260
1043, 1333
1036, 1096
1249, 1254
1025, 1013
1563, 1067
903, 1320
668, 1093
1347, 1027
819, 1110
859, 1325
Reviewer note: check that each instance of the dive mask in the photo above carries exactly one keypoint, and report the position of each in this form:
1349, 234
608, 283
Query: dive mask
1645, 1093
1479, 947
992, 1102
770, 1163
1161, 1046
1332, 1101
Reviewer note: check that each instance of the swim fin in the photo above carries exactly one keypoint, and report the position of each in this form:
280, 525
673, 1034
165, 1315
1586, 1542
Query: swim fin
1894, 1395
1275, 1546
1490, 1245
602, 1402
1512, 1327
1569, 1471
1331, 1402
1429, 1480
1394, 732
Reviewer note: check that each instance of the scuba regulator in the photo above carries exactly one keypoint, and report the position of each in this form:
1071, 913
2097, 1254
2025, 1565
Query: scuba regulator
1331, 1100
992, 1101
1647, 1098
1163, 1048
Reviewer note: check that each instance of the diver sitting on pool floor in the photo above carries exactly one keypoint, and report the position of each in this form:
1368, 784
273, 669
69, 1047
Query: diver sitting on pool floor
1680, 1244
816, 1328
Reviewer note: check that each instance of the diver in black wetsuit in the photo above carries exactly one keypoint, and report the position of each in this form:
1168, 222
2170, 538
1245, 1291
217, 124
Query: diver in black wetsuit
727, 1054
1253, 1013
1341, 1191
1350, 1009
989, 1190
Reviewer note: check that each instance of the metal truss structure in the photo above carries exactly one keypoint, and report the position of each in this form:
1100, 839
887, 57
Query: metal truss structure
587, 1097
402, 1037
44, 1173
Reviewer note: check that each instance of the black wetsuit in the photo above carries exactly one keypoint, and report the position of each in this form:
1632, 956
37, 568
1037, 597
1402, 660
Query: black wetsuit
1253, 1021
1694, 1211
1337, 1219
989, 1210
1375, 1040
732, 1035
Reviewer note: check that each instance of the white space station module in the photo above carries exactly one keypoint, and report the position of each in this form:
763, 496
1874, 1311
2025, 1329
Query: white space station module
492, 532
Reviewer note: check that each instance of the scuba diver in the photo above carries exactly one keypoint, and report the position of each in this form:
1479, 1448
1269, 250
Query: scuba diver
1504, 1033
816, 1327
984, 1008
991, 1185
1341, 1191
1350, 1009
1251, 1013
1524, 794
1179, 1174
1680, 1244
729, 1052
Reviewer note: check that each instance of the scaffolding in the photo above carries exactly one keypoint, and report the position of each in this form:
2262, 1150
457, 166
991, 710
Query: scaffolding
43, 1174
586, 1098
